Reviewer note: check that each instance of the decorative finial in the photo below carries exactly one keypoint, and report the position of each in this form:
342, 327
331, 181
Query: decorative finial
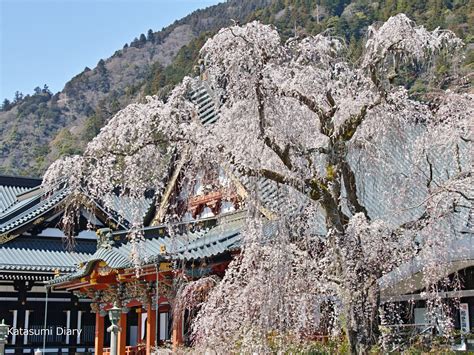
105, 238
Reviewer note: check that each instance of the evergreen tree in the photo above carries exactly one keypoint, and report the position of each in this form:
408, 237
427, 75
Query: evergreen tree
151, 36
101, 67
46, 90
355, 49
135, 42
6, 105
18, 97
104, 84
142, 40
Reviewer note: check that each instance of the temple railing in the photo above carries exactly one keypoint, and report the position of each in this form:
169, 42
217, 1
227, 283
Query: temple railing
38, 332
88, 334
130, 350
53, 337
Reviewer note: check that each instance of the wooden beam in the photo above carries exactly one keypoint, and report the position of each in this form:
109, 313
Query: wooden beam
424, 296
159, 215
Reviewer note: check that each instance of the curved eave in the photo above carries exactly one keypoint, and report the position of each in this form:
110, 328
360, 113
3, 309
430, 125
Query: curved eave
34, 212
408, 277
217, 241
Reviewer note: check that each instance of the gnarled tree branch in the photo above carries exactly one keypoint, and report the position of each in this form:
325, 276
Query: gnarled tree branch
351, 188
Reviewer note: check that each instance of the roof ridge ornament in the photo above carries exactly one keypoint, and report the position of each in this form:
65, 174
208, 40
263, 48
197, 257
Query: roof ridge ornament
105, 238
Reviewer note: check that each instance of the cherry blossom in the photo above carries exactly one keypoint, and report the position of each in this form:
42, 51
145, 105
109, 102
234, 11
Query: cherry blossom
367, 178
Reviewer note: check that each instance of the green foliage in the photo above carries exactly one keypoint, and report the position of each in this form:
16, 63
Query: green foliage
142, 39
92, 126
183, 64
150, 36
424, 345
327, 347
6, 105
36, 104
18, 97
66, 143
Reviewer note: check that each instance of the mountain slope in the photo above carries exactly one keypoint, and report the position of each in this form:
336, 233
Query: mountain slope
40, 127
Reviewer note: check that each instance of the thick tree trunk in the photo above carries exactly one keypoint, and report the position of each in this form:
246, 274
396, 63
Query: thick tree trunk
362, 320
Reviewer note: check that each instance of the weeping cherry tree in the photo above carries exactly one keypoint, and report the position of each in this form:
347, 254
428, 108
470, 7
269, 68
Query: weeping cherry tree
376, 176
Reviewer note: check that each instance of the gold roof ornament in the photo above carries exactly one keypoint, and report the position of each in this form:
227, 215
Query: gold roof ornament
162, 249
165, 267
39, 221
105, 238
6, 238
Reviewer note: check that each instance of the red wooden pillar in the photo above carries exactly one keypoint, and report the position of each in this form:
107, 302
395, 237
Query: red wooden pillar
177, 336
122, 335
139, 329
150, 329
99, 335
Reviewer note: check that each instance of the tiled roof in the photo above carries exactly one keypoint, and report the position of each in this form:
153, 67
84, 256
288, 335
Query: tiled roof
407, 278
217, 241
37, 253
19, 205
11, 187
375, 190
45, 203
8, 196
124, 209
21, 212
190, 246
42, 254
202, 97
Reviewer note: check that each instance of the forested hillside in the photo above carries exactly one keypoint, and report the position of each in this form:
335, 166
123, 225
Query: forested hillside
35, 129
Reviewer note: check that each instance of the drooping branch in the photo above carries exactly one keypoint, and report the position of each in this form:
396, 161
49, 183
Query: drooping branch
430, 177
134, 151
460, 193
310, 104
376, 81
316, 188
239, 36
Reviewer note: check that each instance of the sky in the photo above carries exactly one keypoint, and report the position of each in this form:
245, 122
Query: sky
50, 41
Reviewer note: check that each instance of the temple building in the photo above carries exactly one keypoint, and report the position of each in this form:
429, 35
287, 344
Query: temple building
34, 250
145, 295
